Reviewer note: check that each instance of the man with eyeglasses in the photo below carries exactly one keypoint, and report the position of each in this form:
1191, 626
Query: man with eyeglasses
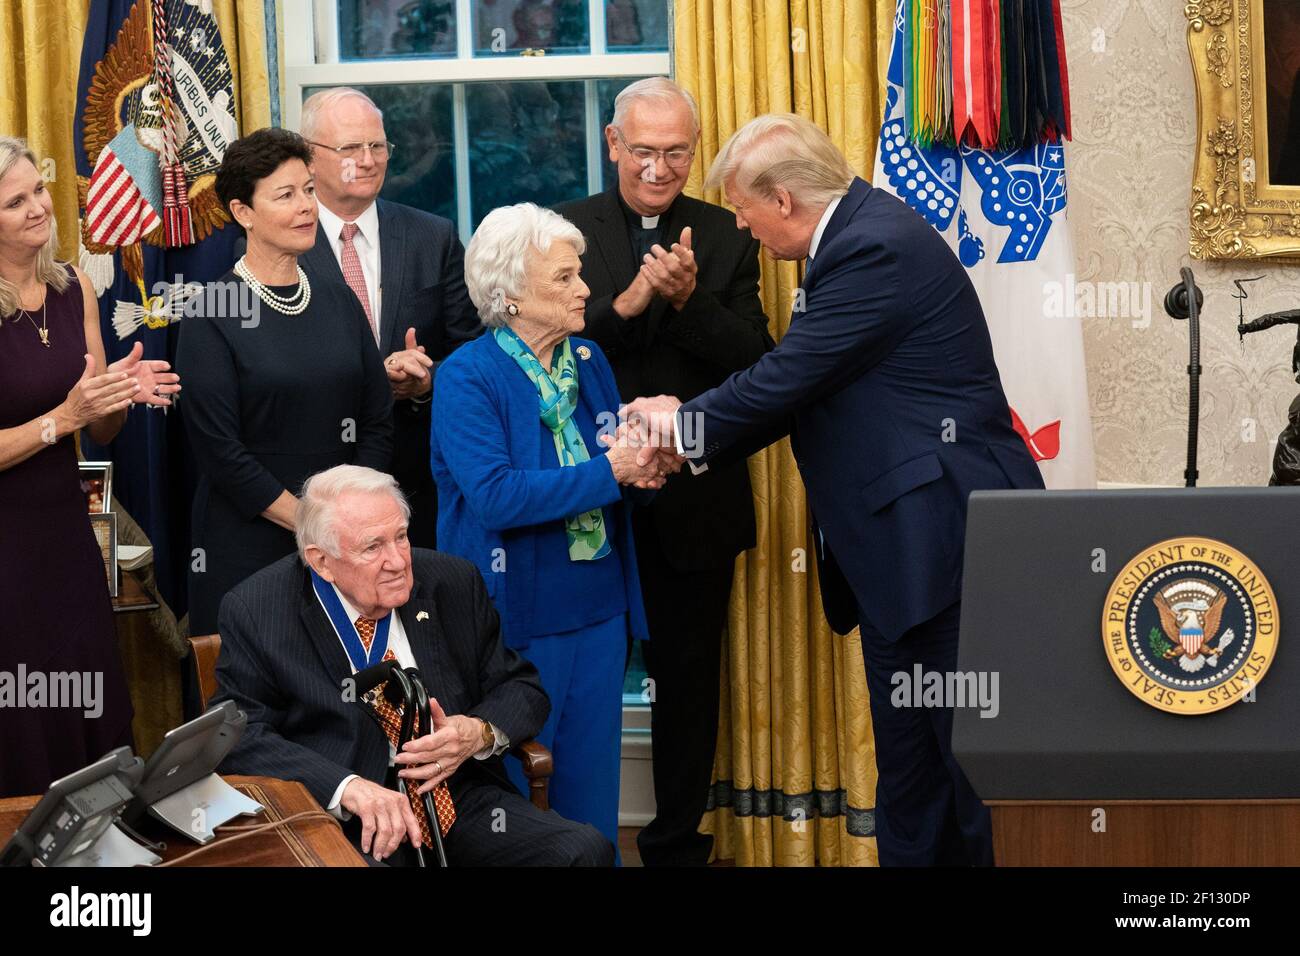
674, 305
406, 266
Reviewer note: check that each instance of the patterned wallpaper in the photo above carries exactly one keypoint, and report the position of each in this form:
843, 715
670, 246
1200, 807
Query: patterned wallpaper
1129, 172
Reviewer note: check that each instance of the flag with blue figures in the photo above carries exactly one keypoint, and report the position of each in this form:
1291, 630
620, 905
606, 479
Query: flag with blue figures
1005, 216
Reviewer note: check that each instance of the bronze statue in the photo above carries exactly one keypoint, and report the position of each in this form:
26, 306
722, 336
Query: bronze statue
1286, 459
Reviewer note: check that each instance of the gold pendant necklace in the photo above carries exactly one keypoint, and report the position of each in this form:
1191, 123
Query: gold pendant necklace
43, 330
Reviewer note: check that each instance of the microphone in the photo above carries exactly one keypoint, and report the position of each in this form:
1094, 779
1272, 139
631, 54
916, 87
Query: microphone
1177, 299
1184, 301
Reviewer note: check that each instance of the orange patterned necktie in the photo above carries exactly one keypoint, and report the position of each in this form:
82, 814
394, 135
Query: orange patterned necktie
391, 719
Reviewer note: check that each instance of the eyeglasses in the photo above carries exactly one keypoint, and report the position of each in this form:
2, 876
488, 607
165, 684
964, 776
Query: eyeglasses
354, 150
644, 155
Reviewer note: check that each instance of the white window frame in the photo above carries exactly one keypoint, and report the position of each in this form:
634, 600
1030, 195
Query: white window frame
311, 58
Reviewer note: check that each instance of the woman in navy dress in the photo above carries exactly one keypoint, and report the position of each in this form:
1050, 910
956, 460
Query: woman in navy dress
529, 492
56, 615
283, 376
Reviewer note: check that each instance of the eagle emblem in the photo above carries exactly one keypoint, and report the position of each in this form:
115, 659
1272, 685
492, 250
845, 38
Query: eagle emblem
1190, 625
1190, 614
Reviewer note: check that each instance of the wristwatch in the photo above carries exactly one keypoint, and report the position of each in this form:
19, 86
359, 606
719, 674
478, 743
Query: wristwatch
489, 737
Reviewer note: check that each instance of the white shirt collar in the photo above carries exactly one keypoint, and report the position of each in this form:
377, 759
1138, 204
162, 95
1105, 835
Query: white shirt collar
367, 223
821, 226
397, 640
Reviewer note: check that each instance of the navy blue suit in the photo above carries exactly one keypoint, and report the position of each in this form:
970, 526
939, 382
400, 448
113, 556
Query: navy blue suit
887, 386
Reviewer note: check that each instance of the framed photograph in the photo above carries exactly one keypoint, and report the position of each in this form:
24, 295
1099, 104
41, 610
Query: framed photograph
105, 528
97, 485
1246, 178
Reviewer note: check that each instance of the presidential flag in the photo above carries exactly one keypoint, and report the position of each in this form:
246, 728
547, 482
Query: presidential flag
155, 113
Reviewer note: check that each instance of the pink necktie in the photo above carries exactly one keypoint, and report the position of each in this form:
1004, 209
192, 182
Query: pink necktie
352, 274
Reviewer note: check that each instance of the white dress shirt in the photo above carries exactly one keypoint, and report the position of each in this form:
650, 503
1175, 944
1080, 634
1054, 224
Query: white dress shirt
366, 242
821, 227
401, 648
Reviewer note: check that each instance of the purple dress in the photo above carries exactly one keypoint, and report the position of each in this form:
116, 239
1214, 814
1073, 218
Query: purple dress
56, 616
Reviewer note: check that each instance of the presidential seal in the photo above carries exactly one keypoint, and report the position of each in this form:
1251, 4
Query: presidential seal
1190, 625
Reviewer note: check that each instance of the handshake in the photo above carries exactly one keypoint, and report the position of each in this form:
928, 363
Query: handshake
643, 452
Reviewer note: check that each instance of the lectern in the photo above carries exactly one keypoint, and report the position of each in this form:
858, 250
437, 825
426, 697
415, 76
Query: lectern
1144, 650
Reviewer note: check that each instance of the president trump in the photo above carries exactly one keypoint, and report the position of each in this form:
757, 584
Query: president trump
886, 384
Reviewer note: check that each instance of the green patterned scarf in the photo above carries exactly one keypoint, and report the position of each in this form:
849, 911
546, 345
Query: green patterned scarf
557, 394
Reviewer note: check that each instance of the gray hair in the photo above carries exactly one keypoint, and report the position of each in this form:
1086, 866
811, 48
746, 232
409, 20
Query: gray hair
496, 259
48, 269
653, 89
315, 525
782, 150
320, 101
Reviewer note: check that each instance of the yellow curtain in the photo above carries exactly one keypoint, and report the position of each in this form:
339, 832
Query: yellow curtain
40, 55
795, 766
243, 30
40, 46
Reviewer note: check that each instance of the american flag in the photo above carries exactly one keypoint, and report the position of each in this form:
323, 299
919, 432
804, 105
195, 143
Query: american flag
119, 210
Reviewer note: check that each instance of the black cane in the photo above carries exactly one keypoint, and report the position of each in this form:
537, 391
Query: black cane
430, 806
404, 688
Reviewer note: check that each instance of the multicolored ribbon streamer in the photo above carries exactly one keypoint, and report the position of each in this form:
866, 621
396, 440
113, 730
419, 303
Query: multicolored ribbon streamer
989, 74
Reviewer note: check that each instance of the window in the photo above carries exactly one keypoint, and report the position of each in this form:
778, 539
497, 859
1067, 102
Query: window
488, 102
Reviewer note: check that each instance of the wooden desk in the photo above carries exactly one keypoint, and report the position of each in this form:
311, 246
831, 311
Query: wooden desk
1146, 833
314, 842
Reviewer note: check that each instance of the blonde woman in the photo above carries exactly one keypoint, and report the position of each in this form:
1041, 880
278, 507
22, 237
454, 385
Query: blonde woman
57, 618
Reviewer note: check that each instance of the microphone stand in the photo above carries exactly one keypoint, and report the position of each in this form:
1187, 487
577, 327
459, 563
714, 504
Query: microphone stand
430, 807
1184, 301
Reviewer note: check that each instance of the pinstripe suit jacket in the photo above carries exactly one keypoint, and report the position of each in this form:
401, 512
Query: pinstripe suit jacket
284, 666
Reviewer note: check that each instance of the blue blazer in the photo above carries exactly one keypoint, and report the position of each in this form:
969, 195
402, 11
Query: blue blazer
492, 497
887, 385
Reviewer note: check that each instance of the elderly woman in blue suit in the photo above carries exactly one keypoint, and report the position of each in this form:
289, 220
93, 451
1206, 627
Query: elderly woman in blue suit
534, 487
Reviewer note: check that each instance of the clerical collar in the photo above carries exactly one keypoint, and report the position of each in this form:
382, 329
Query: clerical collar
635, 219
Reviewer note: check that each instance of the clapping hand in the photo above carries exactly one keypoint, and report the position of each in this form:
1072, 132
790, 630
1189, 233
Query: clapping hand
96, 396
671, 273
408, 370
154, 377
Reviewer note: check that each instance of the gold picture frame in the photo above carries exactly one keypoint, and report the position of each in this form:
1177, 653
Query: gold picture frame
1242, 207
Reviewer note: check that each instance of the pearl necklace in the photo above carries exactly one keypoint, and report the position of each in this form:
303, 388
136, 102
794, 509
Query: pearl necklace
294, 304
